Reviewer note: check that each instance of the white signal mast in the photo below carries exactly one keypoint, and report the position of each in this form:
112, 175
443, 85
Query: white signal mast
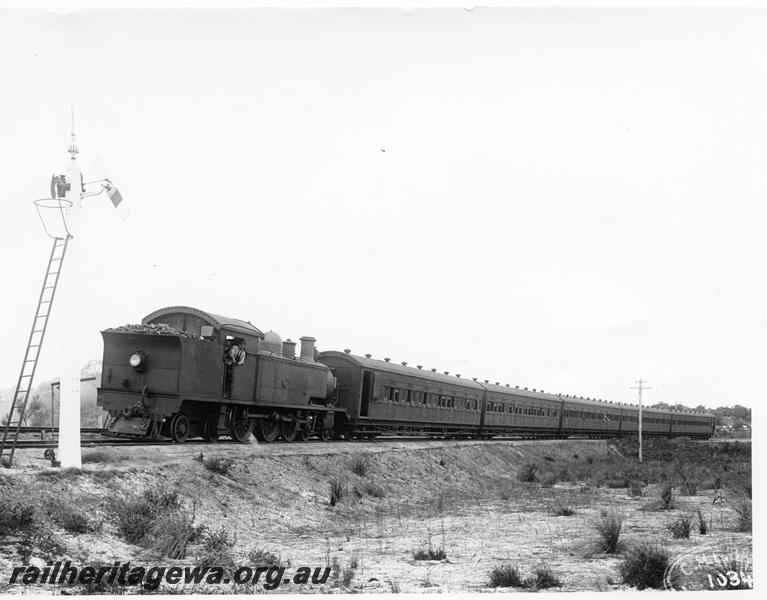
69, 396
69, 453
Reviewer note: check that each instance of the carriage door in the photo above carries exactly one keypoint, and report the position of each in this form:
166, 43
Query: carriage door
367, 391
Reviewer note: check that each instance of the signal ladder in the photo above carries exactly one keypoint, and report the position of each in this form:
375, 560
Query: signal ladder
39, 325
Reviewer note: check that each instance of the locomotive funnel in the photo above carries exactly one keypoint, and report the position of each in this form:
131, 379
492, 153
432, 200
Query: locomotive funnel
307, 348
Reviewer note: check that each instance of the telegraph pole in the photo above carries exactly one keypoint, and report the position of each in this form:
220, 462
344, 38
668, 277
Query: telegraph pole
640, 386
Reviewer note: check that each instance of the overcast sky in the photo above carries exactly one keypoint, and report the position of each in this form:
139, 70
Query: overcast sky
559, 199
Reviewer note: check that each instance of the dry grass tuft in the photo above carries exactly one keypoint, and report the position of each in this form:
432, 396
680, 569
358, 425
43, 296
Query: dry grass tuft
702, 523
360, 464
608, 528
102, 456
635, 488
429, 554
644, 566
222, 465
680, 529
667, 497
506, 575
337, 491
561, 509
528, 473
743, 511
543, 578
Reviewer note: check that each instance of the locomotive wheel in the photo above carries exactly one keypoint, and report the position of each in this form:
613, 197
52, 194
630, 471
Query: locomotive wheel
179, 428
288, 430
241, 429
210, 429
304, 434
325, 434
267, 430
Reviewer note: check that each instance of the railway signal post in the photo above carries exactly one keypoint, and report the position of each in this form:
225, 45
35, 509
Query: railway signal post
69, 453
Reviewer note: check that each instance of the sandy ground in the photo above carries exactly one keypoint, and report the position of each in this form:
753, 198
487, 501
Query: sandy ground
462, 496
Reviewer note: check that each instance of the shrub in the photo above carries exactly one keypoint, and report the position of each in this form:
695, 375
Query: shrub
560, 509
681, 527
262, 558
528, 473
218, 464
73, 520
216, 549
371, 489
505, 575
429, 554
359, 464
690, 487
102, 456
548, 480
635, 488
543, 578
16, 516
615, 484
667, 497
702, 524
742, 507
608, 527
136, 514
688, 478
348, 573
337, 491
394, 586
171, 533
644, 566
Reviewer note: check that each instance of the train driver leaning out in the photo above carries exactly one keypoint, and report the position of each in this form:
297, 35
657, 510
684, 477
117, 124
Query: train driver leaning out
234, 353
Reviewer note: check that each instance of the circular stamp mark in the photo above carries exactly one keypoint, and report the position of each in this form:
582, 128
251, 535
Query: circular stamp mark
711, 569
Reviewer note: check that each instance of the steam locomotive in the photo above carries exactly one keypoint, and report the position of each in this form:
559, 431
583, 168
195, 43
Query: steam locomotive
174, 377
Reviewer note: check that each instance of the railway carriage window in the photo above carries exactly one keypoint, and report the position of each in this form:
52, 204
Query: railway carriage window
425, 398
409, 398
396, 394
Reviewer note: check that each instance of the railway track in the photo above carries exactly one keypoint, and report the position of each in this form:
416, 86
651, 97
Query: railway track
113, 441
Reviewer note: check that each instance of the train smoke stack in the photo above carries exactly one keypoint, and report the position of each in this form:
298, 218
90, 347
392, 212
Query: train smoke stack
289, 348
307, 348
